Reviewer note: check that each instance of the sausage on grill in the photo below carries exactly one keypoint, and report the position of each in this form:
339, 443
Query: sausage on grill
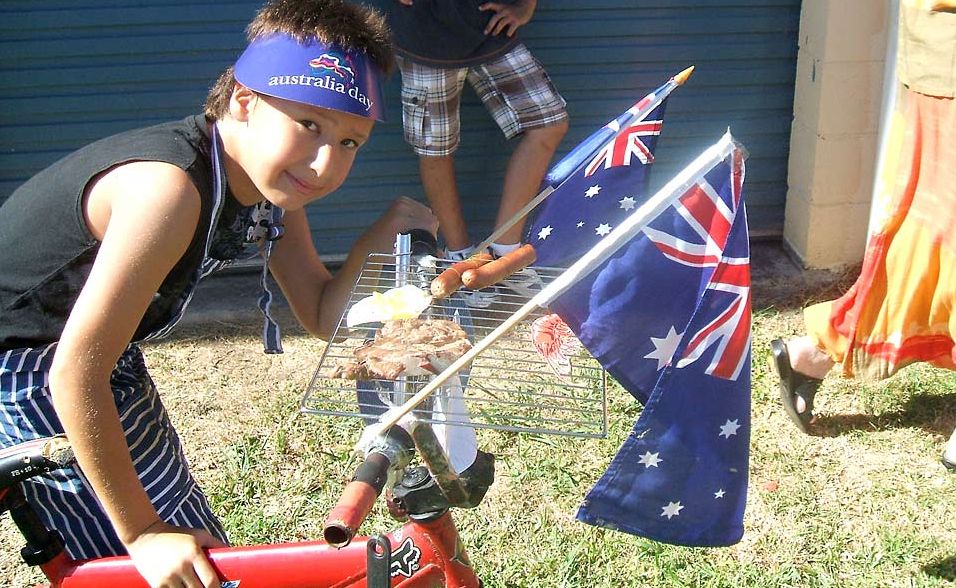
449, 280
499, 269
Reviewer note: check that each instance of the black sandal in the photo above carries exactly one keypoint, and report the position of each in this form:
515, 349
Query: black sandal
793, 384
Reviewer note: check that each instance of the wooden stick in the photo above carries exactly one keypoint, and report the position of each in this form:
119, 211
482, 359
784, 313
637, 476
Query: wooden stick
515, 218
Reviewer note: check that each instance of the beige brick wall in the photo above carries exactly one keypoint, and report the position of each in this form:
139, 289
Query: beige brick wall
834, 136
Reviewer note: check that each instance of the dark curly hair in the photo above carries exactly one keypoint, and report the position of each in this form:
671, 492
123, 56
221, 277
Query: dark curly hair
343, 23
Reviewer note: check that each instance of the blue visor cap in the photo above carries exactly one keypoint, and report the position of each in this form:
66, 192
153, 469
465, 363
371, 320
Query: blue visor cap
314, 73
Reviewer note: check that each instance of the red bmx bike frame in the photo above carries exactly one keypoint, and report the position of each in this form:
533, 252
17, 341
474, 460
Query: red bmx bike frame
425, 552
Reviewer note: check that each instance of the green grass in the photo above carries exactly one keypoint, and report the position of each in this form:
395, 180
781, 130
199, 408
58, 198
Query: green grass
864, 503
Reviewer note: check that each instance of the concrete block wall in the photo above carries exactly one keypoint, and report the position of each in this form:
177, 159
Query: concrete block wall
834, 136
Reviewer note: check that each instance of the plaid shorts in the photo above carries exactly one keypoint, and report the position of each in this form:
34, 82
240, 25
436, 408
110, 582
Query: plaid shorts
514, 88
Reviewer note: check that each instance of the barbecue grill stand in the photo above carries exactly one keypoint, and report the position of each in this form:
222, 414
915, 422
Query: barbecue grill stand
510, 387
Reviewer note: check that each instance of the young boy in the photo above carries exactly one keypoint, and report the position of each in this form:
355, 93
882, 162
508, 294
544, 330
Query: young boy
105, 247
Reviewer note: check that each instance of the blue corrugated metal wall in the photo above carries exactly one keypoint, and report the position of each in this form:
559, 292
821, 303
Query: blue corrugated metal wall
76, 70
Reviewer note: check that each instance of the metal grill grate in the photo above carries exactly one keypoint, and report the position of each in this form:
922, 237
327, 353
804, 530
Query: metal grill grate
509, 386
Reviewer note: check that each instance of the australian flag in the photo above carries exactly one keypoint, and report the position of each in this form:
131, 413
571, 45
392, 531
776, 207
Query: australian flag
577, 215
668, 316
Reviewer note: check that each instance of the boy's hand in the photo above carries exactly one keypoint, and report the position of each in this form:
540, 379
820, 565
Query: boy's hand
405, 214
508, 17
168, 556
945, 6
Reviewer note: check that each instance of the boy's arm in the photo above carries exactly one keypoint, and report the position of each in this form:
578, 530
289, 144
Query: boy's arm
316, 297
508, 17
145, 214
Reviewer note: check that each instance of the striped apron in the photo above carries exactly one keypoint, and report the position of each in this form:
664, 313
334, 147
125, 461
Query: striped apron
64, 499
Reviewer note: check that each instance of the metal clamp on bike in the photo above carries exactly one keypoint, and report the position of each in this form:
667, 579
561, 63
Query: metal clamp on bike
463, 490
419, 496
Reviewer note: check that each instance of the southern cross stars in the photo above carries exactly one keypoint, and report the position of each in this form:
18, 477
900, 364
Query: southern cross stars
671, 510
729, 428
664, 348
544, 232
650, 460
603, 229
627, 203
592, 191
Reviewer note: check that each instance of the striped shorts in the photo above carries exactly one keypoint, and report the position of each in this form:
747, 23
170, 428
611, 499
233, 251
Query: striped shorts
514, 88
63, 499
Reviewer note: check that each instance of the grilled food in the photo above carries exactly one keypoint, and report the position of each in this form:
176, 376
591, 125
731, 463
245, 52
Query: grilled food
407, 347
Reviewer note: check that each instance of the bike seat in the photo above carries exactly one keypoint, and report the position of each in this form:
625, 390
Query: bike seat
31, 458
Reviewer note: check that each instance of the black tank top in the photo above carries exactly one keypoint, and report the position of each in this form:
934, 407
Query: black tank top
446, 33
48, 250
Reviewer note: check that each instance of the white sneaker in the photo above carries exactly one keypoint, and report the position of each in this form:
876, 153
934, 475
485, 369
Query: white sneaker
949, 455
459, 255
479, 298
524, 282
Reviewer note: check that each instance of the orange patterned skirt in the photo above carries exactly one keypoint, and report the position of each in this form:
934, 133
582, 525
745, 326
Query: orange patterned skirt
901, 308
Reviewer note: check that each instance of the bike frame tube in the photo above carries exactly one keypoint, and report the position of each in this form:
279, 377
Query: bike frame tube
425, 554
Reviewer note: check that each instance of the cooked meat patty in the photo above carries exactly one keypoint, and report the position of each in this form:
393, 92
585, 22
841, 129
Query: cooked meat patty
407, 347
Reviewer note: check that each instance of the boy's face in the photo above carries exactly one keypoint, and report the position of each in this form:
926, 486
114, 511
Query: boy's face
295, 153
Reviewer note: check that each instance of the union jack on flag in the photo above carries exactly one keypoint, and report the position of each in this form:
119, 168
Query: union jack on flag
710, 220
668, 316
578, 214
626, 145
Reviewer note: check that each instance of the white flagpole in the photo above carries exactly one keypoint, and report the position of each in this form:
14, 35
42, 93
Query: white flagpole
595, 256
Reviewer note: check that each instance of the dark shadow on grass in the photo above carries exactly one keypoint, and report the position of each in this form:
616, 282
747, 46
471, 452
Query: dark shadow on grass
934, 413
233, 327
944, 568
778, 282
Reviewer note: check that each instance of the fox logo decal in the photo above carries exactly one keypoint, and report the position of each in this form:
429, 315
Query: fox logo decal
406, 559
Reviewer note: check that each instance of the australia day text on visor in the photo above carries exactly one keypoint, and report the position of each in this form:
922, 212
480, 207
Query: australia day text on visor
312, 72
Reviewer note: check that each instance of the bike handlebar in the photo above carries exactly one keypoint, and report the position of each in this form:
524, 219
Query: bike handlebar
356, 501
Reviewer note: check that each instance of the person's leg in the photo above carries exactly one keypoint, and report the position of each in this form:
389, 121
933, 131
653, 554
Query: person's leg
430, 117
800, 365
63, 499
807, 359
520, 96
441, 191
156, 450
526, 168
